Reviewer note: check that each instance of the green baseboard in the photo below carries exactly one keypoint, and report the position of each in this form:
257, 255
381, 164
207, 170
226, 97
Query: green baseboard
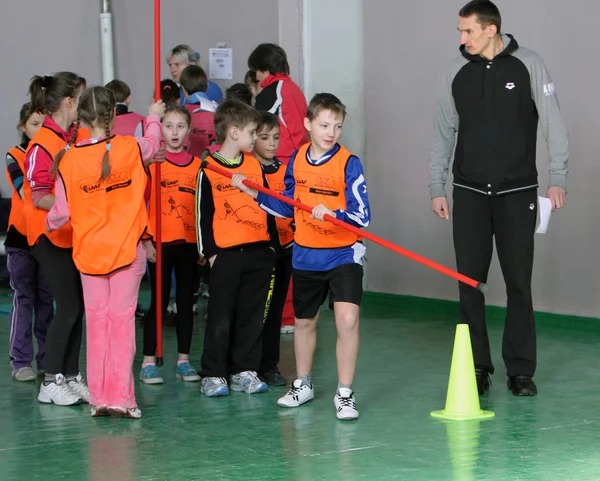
494, 312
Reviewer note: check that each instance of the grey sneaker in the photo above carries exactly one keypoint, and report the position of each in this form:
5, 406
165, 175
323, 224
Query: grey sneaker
249, 382
214, 387
24, 374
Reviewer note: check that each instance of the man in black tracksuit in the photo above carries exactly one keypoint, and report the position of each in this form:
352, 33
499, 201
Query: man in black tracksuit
493, 96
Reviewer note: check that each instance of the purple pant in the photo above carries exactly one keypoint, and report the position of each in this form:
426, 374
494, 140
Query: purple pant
30, 292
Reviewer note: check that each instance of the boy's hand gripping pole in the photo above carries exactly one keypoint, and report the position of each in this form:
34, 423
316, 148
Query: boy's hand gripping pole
480, 286
158, 197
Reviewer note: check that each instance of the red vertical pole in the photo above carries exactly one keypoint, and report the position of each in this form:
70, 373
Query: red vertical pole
157, 189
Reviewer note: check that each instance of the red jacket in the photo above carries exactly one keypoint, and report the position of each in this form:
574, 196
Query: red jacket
282, 97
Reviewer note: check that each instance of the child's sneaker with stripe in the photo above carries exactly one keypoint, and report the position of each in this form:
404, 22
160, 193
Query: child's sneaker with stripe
345, 405
298, 394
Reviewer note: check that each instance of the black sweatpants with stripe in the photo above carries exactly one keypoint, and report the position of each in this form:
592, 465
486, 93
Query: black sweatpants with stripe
272, 330
240, 288
510, 219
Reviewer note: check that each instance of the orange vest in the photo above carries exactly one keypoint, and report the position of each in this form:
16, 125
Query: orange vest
108, 217
284, 226
238, 220
17, 217
321, 184
52, 143
178, 199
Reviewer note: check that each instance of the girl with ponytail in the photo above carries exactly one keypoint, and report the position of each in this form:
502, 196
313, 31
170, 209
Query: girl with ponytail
100, 184
57, 96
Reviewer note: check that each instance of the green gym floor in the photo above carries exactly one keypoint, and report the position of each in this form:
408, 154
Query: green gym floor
402, 375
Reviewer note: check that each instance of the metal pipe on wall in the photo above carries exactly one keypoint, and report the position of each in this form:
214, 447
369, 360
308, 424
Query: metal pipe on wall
106, 39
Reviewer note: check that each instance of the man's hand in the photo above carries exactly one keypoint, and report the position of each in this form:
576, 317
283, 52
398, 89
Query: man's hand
557, 196
439, 205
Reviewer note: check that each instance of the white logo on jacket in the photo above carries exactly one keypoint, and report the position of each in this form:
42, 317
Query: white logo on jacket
549, 89
510, 85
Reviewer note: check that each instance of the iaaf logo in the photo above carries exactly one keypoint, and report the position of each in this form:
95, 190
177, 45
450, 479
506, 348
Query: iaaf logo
169, 183
91, 188
225, 187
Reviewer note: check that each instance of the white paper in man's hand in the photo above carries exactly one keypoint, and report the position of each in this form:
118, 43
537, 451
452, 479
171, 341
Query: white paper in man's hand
545, 210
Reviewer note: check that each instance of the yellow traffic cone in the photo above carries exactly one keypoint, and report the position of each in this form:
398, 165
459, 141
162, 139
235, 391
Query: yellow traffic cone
462, 400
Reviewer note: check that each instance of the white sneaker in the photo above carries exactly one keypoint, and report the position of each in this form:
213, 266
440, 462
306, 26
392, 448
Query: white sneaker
287, 330
121, 412
80, 388
297, 395
345, 405
172, 309
57, 392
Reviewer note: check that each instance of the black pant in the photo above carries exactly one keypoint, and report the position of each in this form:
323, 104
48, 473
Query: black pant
511, 220
183, 258
63, 339
272, 328
240, 281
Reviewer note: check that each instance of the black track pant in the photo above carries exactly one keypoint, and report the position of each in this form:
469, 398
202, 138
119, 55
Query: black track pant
63, 340
240, 284
511, 219
183, 258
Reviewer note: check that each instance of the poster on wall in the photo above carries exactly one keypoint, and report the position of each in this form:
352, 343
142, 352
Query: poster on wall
220, 63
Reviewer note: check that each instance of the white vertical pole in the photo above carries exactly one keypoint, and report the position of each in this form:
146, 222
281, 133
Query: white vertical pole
106, 38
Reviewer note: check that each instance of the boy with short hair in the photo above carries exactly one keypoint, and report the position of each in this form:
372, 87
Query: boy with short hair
126, 122
241, 92
265, 147
327, 259
239, 240
194, 83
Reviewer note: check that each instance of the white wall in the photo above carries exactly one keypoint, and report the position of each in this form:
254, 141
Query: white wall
333, 61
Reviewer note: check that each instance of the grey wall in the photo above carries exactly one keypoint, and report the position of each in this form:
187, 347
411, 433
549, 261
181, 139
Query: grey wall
242, 25
407, 47
65, 35
28, 49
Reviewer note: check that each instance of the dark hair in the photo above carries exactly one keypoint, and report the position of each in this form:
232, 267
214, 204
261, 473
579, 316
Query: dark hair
269, 57
250, 77
486, 12
268, 120
239, 92
24, 116
178, 109
120, 89
169, 92
48, 92
193, 79
233, 113
97, 104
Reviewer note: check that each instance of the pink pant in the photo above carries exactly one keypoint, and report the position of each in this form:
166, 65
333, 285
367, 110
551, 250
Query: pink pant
110, 303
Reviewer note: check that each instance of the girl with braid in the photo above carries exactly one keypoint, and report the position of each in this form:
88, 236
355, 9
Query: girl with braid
100, 188
58, 97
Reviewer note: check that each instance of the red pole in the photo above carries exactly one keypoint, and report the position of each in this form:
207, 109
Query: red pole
157, 189
378, 240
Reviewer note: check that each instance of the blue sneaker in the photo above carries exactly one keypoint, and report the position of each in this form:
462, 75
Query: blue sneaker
214, 386
249, 382
186, 372
150, 375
